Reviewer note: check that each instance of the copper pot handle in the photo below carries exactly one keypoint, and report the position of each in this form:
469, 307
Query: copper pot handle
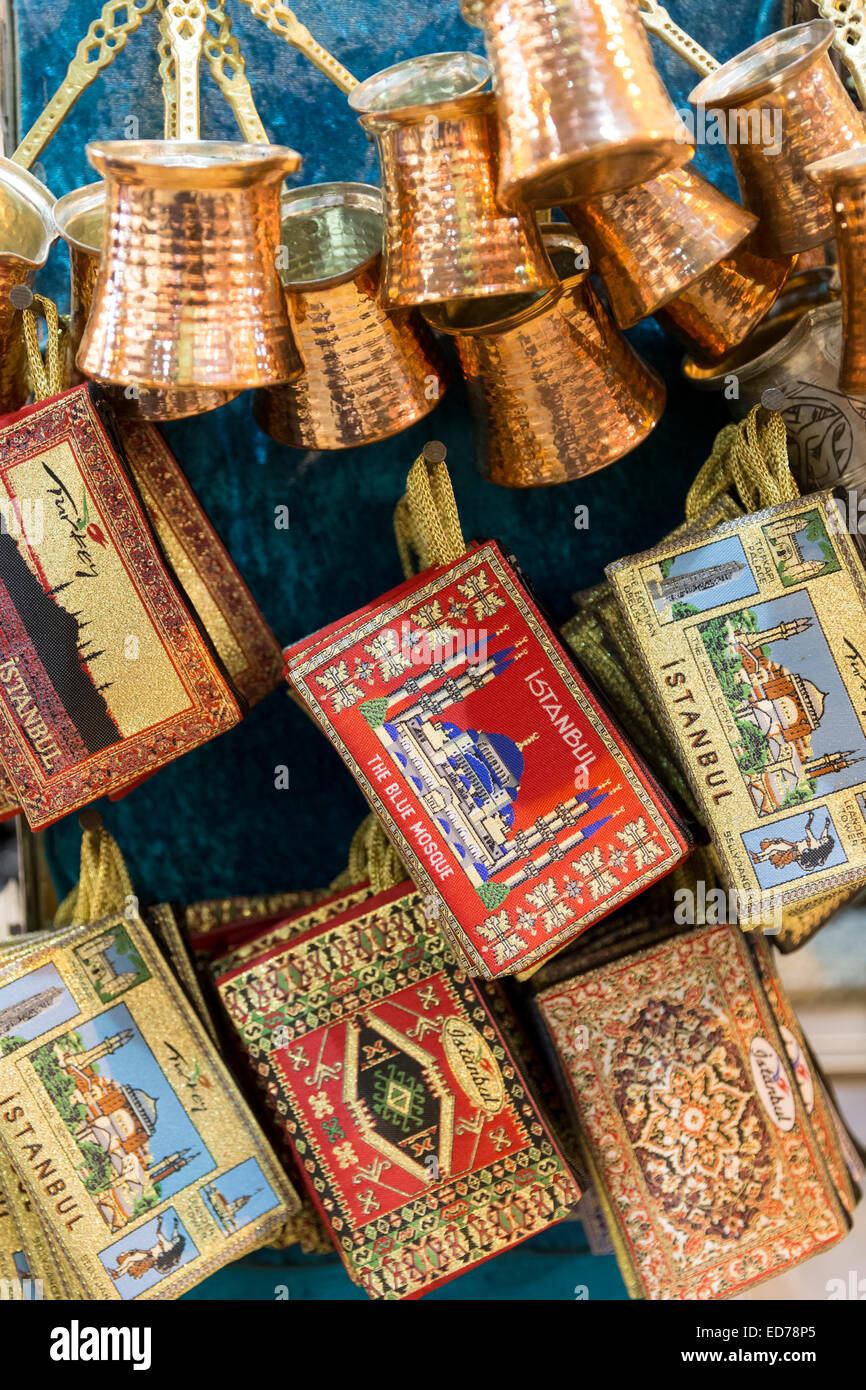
227, 68
285, 24
658, 21
107, 37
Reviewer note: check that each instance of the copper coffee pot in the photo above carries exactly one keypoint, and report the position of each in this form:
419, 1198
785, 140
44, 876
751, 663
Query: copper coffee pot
556, 391
722, 307
446, 234
80, 217
367, 374
843, 177
582, 109
785, 108
650, 243
187, 294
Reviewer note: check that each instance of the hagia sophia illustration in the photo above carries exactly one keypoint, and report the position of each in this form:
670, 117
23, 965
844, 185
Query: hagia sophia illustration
786, 709
468, 780
121, 1120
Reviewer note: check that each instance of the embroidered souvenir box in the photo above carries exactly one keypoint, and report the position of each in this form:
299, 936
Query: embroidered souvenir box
121, 1120
105, 674
415, 1132
211, 583
709, 1171
754, 640
505, 789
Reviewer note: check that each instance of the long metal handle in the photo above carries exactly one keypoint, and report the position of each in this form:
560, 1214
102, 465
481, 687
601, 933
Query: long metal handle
228, 69
167, 75
658, 21
283, 22
104, 39
186, 21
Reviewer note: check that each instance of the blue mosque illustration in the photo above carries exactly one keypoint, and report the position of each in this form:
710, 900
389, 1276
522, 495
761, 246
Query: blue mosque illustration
468, 780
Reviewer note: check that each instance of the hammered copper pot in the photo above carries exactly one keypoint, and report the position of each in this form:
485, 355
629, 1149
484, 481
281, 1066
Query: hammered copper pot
726, 303
582, 109
26, 233
188, 293
783, 94
80, 217
844, 177
446, 235
650, 243
367, 374
556, 391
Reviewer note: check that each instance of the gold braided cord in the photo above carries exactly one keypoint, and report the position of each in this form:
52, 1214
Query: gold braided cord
751, 456
104, 885
46, 377
101, 44
426, 521
372, 858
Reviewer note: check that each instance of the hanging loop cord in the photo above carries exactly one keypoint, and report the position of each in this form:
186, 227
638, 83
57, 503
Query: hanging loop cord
371, 857
104, 885
426, 523
751, 456
46, 376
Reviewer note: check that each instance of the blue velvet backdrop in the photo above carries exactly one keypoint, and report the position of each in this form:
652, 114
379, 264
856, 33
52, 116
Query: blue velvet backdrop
214, 823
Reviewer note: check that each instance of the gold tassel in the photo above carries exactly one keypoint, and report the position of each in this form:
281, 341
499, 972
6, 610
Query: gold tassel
104, 885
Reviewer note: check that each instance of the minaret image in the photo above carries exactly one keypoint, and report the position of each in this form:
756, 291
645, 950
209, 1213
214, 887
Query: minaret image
831, 762
164, 1167
775, 634
103, 1049
679, 586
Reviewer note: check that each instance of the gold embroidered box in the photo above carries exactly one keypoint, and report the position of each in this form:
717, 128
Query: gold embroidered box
753, 637
706, 1162
132, 1141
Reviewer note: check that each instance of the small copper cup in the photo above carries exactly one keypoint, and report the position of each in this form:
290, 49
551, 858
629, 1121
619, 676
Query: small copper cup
582, 109
783, 94
722, 308
26, 234
367, 374
556, 391
80, 218
843, 177
188, 293
446, 235
650, 243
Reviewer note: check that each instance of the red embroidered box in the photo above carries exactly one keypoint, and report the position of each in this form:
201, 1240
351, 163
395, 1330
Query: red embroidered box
509, 793
415, 1132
